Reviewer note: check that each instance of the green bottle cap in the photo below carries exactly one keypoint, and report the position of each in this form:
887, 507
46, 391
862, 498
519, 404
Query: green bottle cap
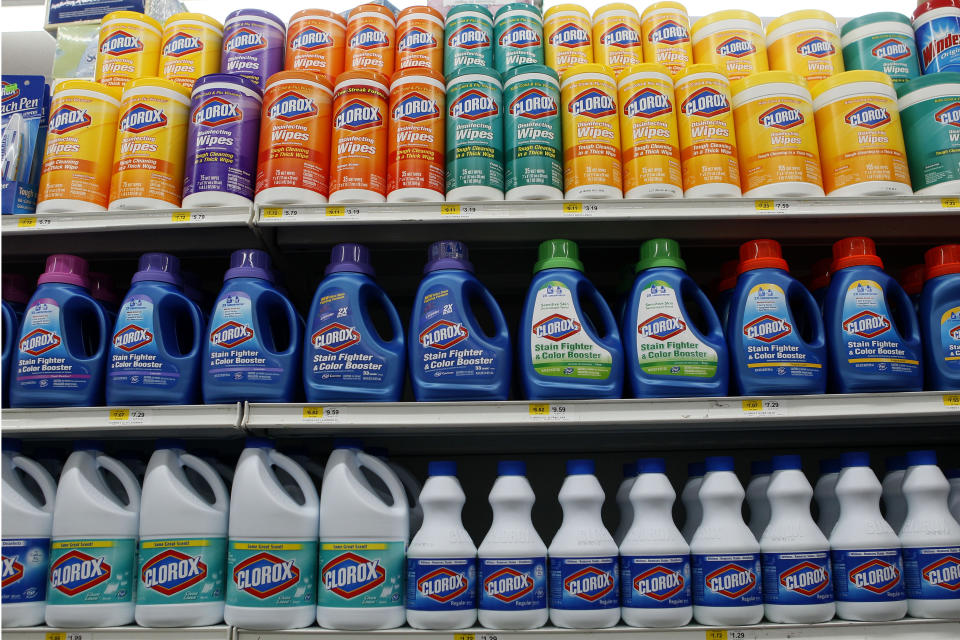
558, 254
660, 252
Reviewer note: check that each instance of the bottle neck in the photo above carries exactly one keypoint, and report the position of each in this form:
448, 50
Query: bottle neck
789, 495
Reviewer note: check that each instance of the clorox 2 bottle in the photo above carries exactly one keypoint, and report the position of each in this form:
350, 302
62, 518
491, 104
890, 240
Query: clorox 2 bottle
940, 317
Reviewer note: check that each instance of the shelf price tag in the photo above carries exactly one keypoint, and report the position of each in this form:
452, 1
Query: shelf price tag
27, 222
580, 208
769, 206
322, 415
342, 212
764, 408
716, 634
950, 203
68, 635
952, 401
187, 216
451, 209
273, 213
479, 636
127, 416
549, 411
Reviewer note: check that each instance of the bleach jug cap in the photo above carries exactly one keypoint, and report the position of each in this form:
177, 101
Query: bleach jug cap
830, 465
351, 258
896, 463
442, 468
254, 442
581, 467
761, 467
87, 445
942, 260
911, 278
12, 445
854, 459
696, 469
347, 443
660, 252
170, 443
558, 254
820, 274
718, 463
66, 269
786, 463
855, 252
15, 288
448, 254
158, 267
511, 468
630, 469
917, 458
249, 263
652, 465
761, 254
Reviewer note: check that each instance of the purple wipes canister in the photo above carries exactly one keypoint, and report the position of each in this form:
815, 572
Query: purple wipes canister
253, 45
221, 162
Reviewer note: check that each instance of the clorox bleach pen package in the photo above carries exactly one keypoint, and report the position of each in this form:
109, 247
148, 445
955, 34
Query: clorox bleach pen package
26, 106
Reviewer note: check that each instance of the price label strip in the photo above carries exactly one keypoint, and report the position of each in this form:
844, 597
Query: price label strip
731, 634
34, 222
342, 212
68, 635
770, 206
764, 407
180, 217
950, 203
581, 209
128, 417
550, 412
951, 401
480, 636
277, 213
321, 415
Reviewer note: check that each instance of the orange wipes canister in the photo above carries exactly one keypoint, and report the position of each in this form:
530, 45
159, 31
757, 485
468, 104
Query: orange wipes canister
191, 48
78, 156
567, 37
591, 133
371, 39
616, 37
665, 29
806, 43
708, 142
416, 171
293, 165
648, 133
733, 40
420, 38
129, 48
358, 167
151, 144
316, 40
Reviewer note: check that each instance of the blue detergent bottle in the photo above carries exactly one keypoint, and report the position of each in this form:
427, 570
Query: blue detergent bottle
452, 357
774, 332
345, 359
912, 279
819, 280
254, 337
62, 351
872, 330
157, 339
724, 289
10, 328
562, 354
940, 318
667, 353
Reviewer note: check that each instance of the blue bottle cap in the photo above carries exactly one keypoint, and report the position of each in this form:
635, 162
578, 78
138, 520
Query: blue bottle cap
787, 463
349, 257
255, 442
917, 458
896, 463
696, 469
760, 467
249, 263
953, 473
87, 445
830, 465
629, 469
581, 467
347, 443
652, 465
719, 463
442, 468
171, 443
12, 445
511, 468
855, 459
158, 267
448, 254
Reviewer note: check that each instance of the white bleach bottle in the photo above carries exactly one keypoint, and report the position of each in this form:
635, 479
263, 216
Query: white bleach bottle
442, 559
760, 471
953, 475
272, 543
27, 520
624, 506
183, 541
94, 542
584, 564
725, 554
512, 556
363, 542
894, 504
690, 497
654, 556
411, 487
825, 494
797, 586
865, 551
931, 541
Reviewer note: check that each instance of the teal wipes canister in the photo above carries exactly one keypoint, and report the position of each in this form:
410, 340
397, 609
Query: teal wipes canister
474, 135
533, 150
881, 42
930, 116
468, 31
518, 36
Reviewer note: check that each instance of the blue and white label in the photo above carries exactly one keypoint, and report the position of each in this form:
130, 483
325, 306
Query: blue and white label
25, 562
441, 584
445, 348
726, 580
938, 42
797, 578
872, 342
135, 358
43, 361
950, 329
655, 582
340, 352
236, 353
584, 583
931, 573
513, 584
868, 575
773, 344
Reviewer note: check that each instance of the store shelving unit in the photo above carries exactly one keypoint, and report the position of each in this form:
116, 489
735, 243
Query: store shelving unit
221, 632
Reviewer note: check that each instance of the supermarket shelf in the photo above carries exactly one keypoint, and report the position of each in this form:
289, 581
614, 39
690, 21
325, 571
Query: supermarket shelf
221, 632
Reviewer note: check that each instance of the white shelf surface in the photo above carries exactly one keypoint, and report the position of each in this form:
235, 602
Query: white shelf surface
221, 632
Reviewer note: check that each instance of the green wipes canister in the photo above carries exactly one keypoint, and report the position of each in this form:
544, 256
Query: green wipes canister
533, 150
468, 30
930, 115
881, 42
474, 135
517, 36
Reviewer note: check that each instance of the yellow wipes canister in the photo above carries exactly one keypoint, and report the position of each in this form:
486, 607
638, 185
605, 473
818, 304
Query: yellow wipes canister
776, 136
732, 40
806, 43
861, 142
708, 142
567, 37
191, 48
648, 133
665, 29
150, 147
591, 133
616, 37
129, 48
79, 149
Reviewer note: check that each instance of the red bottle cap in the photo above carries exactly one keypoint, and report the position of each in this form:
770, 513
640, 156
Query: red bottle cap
942, 260
911, 279
924, 7
820, 274
855, 252
728, 276
761, 254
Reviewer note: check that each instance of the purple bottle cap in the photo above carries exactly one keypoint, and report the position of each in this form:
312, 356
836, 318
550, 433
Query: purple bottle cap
351, 258
249, 263
448, 254
66, 269
101, 288
158, 267
16, 288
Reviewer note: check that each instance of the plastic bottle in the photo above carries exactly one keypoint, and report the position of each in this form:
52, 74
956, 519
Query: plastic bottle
420, 38
474, 132
128, 47
518, 36
630, 471
654, 556
567, 37
371, 39
358, 164
819, 281
468, 35
253, 45
316, 40
937, 26
954, 500
690, 497
894, 504
513, 558
883, 42
825, 493
415, 155
940, 317
533, 151
756, 493
190, 49
665, 29
442, 559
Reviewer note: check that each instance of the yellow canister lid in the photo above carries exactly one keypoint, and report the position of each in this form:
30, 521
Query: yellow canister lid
588, 67
615, 6
559, 8
805, 14
720, 16
88, 85
667, 4
694, 69
131, 15
848, 77
161, 83
766, 77
195, 17
646, 67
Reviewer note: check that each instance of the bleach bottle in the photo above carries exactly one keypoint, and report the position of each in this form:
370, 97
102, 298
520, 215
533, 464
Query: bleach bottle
94, 543
562, 354
940, 318
623, 501
760, 471
584, 564
513, 557
252, 351
157, 339
27, 523
345, 357
411, 487
452, 356
183, 541
894, 504
654, 557
872, 330
825, 494
726, 555
865, 551
669, 356
272, 548
774, 331
442, 559
62, 349
690, 497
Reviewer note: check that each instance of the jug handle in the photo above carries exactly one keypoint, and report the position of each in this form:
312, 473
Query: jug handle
715, 329
199, 328
609, 321
211, 477
385, 473
812, 309
43, 479
492, 307
911, 327
392, 314
126, 478
300, 476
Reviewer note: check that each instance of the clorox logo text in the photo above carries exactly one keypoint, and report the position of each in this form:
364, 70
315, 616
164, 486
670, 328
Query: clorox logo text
335, 337
868, 116
120, 43
39, 341
216, 111
181, 44
736, 47
661, 327
876, 576
443, 334
68, 118
442, 585
944, 573
292, 106
230, 334
508, 585
534, 104
77, 572
142, 117
416, 40
11, 91
265, 575
816, 47
669, 32
473, 105
468, 37
659, 583
949, 115
731, 581
806, 578
781, 117
556, 328
767, 329
621, 36
570, 36
891, 49
350, 575
172, 572
589, 584
311, 39
416, 107
131, 338
12, 571
593, 103
647, 103
519, 36
866, 324
706, 103
357, 115
244, 41
369, 38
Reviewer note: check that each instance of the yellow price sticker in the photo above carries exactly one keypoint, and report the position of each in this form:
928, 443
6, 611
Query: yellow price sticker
951, 400
752, 405
335, 212
716, 634
119, 414
764, 205
464, 636
27, 222
950, 203
539, 410
180, 216
273, 213
55, 635
573, 207
312, 413
450, 209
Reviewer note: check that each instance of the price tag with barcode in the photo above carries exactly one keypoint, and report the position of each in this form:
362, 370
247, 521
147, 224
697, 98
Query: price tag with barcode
128, 416
550, 411
764, 407
321, 415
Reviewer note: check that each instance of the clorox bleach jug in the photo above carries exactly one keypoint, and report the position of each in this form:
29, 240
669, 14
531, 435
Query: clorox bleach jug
442, 559
27, 523
584, 567
654, 557
825, 493
363, 542
623, 501
272, 547
867, 564
760, 471
726, 555
953, 475
183, 541
796, 555
94, 541
690, 497
513, 557
894, 504
411, 487
931, 541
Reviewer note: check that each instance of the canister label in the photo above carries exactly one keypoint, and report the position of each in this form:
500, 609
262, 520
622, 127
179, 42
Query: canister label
519, 39
797, 578
666, 40
560, 345
708, 147
534, 154
253, 49
469, 41
894, 54
567, 41
128, 49
617, 42
370, 44
359, 139
316, 44
931, 573
591, 134
727, 580
182, 570
92, 571
868, 575
648, 127
420, 44
416, 150
190, 50
931, 131
587, 583
271, 574
738, 53
655, 582
474, 135
814, 54
361, 574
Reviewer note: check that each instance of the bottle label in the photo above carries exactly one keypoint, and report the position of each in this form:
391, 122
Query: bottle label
666, 345
446, 349
519, 39
361, 574
584, 583
892, 53
441, 584
469, 42
873, 344
271, 574
868, 575
937, 44
560, 347
534, 155
655, 582
25, 569
92, 571
773, 344
474, 132
931, 135
950, 337
932, 573
797, 578
726, 580
43, 361
341, 354
182, 570
134, 357
513, 584
236, 352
